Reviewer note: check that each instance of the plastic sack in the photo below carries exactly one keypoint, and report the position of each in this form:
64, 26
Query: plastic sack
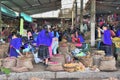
36, 59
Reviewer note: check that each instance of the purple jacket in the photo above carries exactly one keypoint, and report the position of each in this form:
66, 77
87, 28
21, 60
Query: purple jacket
44, 39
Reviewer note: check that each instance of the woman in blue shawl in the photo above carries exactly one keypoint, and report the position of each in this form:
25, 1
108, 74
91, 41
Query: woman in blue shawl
44, 40
107, 41
15, 45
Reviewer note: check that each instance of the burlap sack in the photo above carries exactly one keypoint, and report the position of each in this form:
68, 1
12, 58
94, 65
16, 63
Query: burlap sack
1, 62
71, 47
25, 62
59, 59
63, 50
54, 64
2, 53
86, 61
19, 69
99, 52
108, 65
55, 68
30, 55
9, 62
4, 47
96, 60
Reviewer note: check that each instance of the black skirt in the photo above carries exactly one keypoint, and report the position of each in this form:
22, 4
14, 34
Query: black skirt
43, 52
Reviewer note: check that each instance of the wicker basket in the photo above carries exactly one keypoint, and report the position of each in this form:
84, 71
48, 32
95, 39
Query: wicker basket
69, 69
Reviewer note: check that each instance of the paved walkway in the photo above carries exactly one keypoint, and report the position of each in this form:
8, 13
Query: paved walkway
39, 72
61, 75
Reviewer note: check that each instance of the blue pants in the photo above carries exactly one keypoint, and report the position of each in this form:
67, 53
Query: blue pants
107, 49
54, 47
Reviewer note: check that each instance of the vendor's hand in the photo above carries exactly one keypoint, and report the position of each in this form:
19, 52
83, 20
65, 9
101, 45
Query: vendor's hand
21, 54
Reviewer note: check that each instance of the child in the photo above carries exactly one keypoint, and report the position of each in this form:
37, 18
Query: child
55, 41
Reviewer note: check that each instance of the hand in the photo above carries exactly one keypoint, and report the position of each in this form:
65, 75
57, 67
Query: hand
21, 55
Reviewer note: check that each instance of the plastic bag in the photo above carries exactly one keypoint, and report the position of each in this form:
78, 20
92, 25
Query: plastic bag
37, 60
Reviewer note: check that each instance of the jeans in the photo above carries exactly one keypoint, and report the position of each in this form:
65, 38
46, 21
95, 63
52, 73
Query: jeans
54, 47
107, 49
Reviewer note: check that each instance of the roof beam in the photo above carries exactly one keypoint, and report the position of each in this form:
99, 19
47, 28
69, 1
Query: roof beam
28, 3
41, 10
49, 1
52, 4
39, 2
20, 8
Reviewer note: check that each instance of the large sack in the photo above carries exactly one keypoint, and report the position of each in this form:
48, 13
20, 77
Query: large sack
25, 62
99, 52
108, 64
63, 50
9, 62
55, 68
5, 46
59, 59
71, 47
1, 62
2, 53
87, 61
19, 69
54, 64
30, 55
96, 60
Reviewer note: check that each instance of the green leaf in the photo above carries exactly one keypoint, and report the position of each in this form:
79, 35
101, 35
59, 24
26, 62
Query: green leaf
5, 70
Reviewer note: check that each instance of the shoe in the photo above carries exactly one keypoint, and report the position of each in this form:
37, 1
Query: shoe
46, 65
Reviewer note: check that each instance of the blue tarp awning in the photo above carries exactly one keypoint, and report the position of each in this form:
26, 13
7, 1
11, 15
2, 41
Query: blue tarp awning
26, 17
8, 11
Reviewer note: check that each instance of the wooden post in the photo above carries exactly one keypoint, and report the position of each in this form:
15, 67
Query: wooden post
0, 17
81, 16
75, 9
72, 16
92, 21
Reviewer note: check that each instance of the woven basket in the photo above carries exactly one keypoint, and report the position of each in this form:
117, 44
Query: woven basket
69, 69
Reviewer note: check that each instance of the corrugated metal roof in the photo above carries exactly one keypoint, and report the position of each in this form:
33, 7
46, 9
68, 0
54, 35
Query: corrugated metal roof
105, 6
32, 6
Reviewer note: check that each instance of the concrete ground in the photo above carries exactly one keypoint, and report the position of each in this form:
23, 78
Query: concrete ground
39, 72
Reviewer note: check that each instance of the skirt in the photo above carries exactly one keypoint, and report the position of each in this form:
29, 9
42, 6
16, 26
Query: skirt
43, 52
